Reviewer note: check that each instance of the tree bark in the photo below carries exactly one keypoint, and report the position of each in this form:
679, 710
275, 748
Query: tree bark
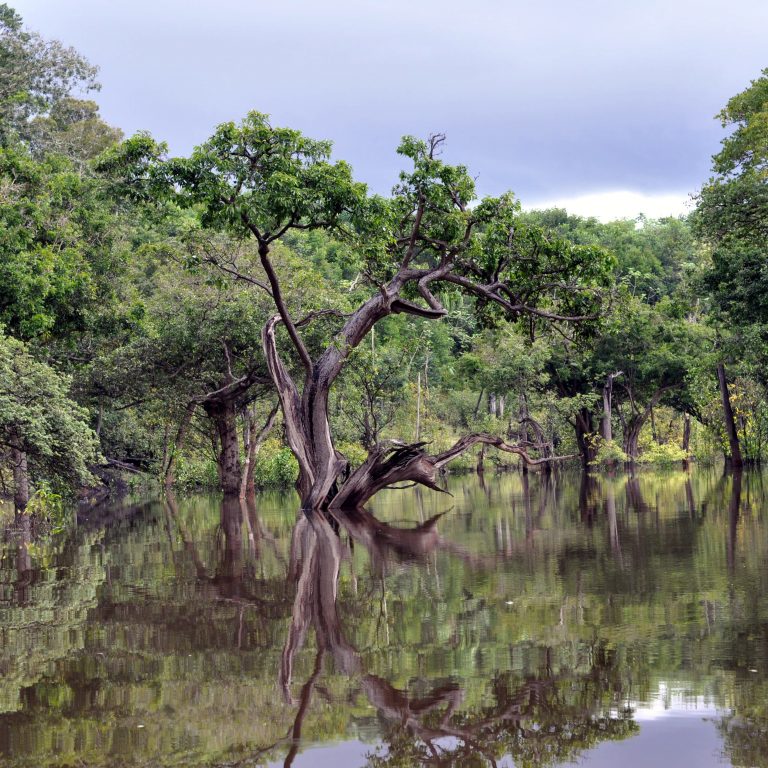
178, 445
636, 423
394, 462
686, 437
20, 479
606, 424
734, 459
584, 436
477, 404
225, 418
253, 444
418, 407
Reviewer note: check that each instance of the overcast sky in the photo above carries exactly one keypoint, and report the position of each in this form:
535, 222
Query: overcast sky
605, 105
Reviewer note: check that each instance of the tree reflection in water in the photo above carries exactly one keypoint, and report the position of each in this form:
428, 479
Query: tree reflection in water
170, 636
539, 720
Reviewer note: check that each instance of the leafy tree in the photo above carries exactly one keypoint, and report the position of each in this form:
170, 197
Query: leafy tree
654, 256
732, 211
35, 75
74, 129
57, 264
656, 350
43, 433
732, 218
428, 239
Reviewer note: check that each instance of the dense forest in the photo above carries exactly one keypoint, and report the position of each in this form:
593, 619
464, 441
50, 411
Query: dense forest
252, 315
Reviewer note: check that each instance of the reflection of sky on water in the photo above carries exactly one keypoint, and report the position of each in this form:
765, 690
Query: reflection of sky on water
674, 700
670, 740
345, 755
676, 729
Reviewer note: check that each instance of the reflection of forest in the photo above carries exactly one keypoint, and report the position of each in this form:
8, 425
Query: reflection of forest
526, 620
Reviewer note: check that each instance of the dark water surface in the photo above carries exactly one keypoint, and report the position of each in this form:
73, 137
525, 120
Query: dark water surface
611, 621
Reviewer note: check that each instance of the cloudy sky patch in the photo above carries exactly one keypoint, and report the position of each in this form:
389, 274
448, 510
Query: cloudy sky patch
560, 101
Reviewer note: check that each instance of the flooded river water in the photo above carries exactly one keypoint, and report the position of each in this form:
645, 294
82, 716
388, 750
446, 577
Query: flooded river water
609, 621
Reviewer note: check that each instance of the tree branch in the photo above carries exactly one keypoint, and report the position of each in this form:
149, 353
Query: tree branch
392, 461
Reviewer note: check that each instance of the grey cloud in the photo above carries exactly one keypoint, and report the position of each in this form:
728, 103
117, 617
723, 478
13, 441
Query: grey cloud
549, 101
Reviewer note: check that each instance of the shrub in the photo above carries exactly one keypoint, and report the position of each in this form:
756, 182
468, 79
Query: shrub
275, 466
609, 451
196, 472
667, 453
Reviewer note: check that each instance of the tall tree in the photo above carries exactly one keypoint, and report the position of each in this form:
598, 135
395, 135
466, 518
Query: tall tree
35, 75
57, 264
732, 211
732, 218
430, 237
44, 434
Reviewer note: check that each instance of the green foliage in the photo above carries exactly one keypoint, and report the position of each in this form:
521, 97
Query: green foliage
746, 147
732, 211
46, 504
354, 452
275, 465
196, 472
57, 268
609, 452
73, 129
38, 417
35, 75
653, 257
662, 453
145, 278
248, 177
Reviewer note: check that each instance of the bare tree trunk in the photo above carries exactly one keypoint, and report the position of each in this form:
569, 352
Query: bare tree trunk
178, 445
734, 459
253, 445
501, 404
522, 417
584, 436
393, 462
225, 418
543, 446
477, 404
632, 437
686, 437
418, 407
20, 479
606, 424
492, 404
